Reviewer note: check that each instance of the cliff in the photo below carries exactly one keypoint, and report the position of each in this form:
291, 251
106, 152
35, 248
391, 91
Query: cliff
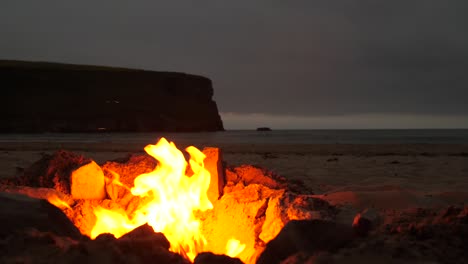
52, 97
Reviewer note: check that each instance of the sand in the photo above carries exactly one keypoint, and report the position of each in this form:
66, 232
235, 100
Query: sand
323, 168
361, 175
357, 176
379, 176
392, 180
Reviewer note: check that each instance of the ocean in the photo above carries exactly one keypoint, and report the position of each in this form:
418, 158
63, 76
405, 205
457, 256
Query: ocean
381, 136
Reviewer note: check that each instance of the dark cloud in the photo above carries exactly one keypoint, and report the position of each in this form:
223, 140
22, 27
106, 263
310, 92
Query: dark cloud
277, 57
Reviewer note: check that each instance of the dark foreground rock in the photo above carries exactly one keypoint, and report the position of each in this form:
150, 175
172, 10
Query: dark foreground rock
306, 237
210, 258
19, 213
142, 245
34, 231
52, 97
416, 235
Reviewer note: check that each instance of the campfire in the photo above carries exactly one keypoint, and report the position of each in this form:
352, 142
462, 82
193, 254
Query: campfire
169, 198
192, 198
173, 206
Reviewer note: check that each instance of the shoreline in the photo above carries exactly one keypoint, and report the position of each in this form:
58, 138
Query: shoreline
380, 149
322, 167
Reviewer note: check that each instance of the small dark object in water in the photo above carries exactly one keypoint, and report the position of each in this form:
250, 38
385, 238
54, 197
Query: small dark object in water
263, 129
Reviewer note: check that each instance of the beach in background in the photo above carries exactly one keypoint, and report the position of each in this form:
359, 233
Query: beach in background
397, 179
325, 160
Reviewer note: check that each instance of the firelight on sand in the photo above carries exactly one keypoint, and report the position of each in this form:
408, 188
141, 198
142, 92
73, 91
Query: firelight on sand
170, 196
53, 199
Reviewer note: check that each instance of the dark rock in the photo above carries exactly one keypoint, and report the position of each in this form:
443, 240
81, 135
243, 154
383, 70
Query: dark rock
33, 246
263, 129
300, 258
53, 97
414, 235
142, 237
210, 258
19, 212
142, 245
365, 221
106, 238
306, 236
148, 246
361, 225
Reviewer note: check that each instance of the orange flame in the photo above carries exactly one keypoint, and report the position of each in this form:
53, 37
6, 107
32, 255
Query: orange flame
53, 199
171, 198
234, 247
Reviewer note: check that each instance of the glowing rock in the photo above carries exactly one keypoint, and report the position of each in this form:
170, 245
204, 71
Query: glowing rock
214, 164
87, 182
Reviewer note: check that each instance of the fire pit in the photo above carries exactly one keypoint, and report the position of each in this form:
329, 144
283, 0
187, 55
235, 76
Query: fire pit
195, 202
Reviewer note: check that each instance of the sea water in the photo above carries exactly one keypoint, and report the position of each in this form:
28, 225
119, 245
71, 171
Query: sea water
380, 136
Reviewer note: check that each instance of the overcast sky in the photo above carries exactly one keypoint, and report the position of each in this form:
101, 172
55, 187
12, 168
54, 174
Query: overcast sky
286, 64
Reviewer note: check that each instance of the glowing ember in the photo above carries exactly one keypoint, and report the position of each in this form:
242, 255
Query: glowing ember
169, 200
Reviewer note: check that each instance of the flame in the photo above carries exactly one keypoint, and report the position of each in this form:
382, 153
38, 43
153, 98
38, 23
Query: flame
234, 248
169, 200
53, 199
116, 179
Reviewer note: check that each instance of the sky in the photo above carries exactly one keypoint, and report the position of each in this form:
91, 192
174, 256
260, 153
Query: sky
283, 64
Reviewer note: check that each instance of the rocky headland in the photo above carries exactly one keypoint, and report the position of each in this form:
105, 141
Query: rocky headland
53, 97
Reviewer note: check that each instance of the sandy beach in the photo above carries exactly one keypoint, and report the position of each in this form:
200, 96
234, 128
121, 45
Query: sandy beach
323, 168
401, 185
